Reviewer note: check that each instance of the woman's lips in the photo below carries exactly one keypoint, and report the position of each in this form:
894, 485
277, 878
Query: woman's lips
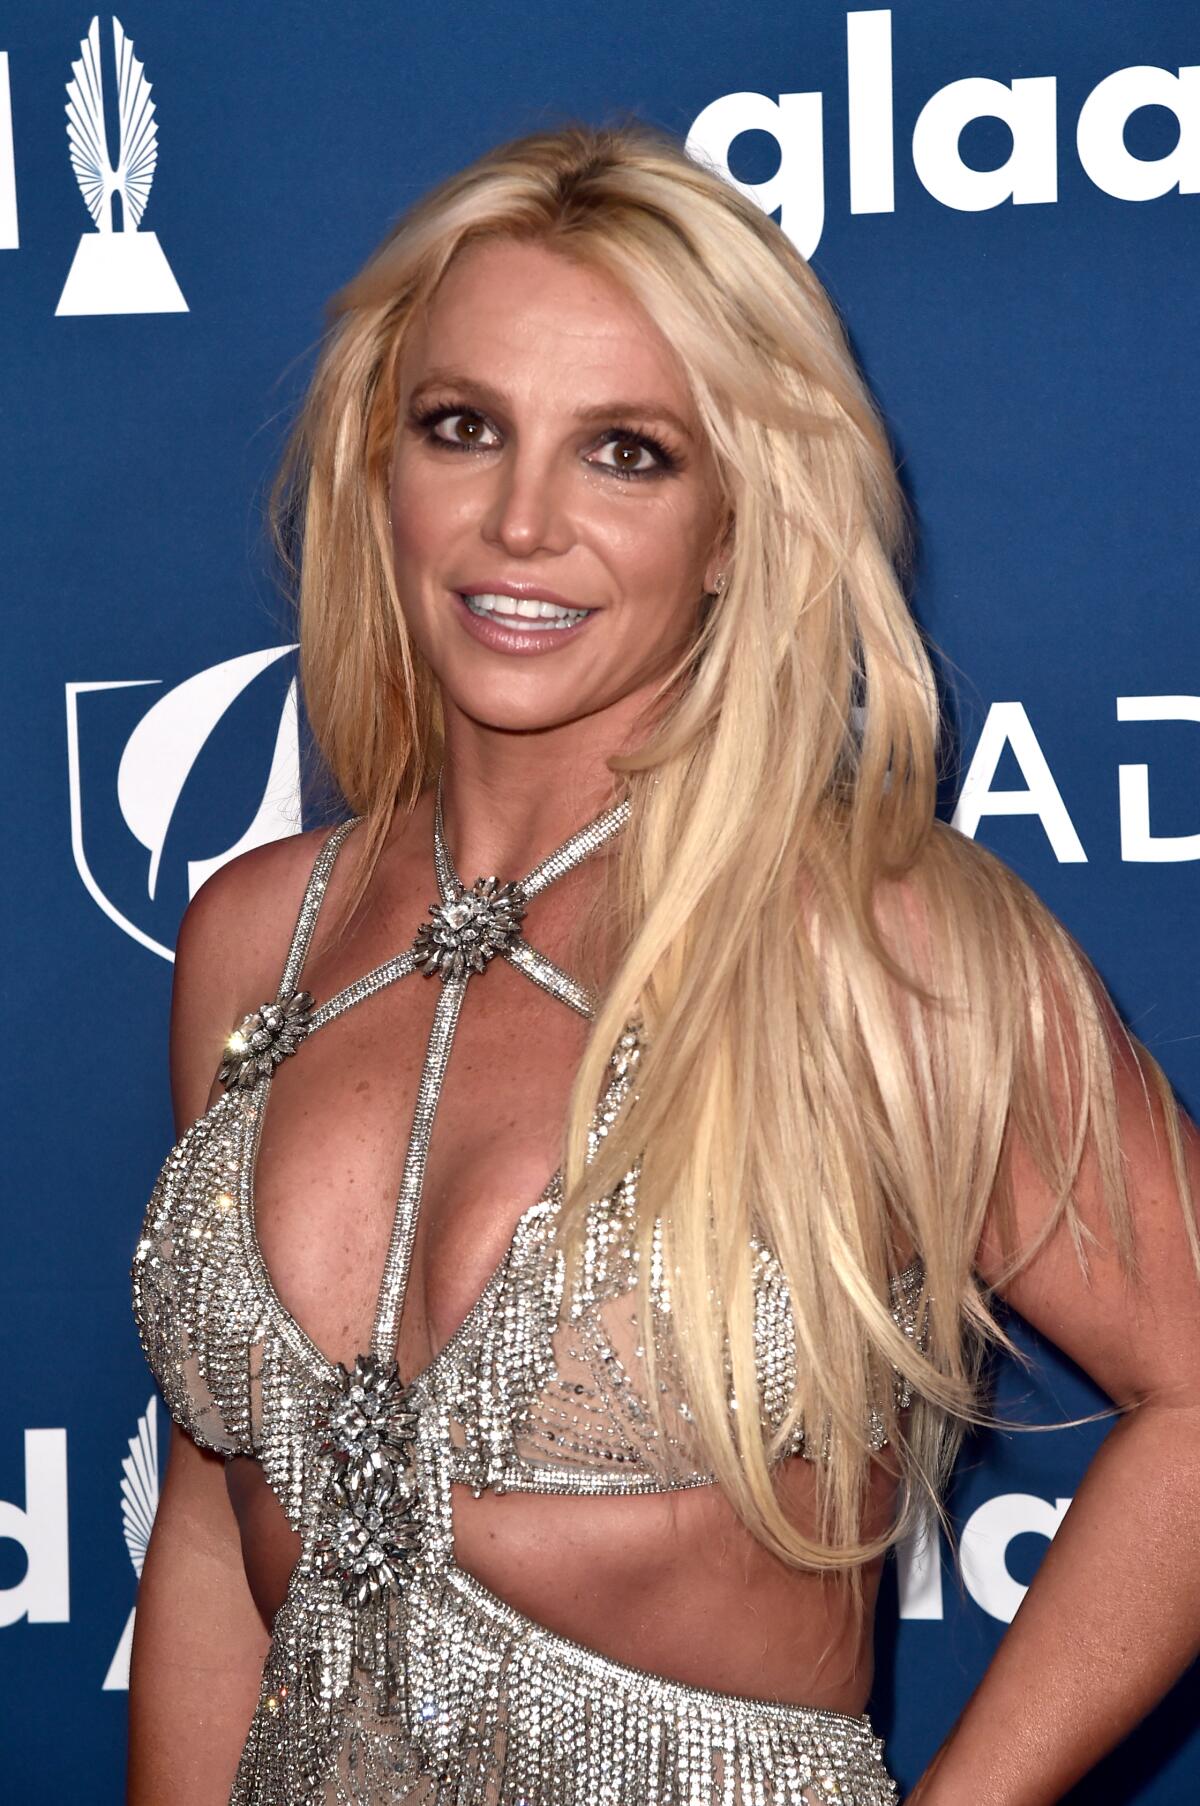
518, 591
530, 637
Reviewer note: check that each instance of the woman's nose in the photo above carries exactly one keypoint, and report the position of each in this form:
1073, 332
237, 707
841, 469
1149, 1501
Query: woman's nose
527, 512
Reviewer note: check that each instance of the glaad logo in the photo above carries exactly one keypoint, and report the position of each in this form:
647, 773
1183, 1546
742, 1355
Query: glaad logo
151, 771
139, 1502
1028, 107
115, 271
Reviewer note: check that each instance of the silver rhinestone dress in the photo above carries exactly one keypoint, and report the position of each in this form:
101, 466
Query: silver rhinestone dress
392, 1675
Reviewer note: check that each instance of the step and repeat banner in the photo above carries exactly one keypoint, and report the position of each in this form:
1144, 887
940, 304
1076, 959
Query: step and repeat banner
1004, 201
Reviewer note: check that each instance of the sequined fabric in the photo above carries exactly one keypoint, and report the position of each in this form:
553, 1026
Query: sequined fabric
393, 1676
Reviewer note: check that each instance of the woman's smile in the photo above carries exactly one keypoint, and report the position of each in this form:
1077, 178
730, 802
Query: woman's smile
521, 627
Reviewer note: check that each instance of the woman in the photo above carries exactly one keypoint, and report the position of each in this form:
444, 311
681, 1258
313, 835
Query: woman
598, 539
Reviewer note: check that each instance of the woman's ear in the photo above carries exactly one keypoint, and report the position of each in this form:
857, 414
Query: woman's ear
716, 571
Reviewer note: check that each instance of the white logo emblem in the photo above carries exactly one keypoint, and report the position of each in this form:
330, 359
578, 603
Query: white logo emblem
1028, 106
10, 237
139, 1502
116, 270
151, 770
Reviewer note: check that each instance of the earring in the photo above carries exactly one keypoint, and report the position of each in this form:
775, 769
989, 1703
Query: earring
719, 585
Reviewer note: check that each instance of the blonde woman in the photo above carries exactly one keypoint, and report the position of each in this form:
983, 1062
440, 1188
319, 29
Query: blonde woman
488, 1488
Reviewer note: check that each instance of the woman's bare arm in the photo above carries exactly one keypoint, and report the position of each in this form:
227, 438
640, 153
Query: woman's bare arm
199, 1641
1112, 1618
198, 1645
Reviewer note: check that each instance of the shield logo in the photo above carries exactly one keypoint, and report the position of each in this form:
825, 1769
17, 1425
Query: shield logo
164, 794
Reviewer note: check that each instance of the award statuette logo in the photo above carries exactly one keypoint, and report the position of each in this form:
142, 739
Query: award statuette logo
139, 1502
117, 269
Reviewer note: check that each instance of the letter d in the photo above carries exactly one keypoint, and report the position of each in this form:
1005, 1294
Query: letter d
41, 1595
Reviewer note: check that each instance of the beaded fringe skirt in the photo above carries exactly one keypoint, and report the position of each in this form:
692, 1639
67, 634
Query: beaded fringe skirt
490, 1709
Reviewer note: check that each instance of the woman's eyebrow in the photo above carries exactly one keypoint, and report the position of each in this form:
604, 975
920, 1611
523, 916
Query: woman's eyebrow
641, 410
595, 411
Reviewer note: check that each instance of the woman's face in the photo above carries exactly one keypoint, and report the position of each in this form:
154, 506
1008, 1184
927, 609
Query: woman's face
555, 506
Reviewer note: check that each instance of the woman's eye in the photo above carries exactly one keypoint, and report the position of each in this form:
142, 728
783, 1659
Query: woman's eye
623, 452
464, 431
630, 456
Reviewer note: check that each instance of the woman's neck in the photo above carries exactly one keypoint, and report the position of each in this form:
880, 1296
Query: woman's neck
509, 799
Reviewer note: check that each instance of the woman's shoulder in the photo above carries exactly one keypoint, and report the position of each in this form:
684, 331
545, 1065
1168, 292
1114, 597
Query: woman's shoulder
243, 915
231, 949
956, 885
966, 927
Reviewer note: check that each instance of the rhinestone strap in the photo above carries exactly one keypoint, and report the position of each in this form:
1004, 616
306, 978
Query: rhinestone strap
310, 908
361, 988
408, 1204
550, 978
536, 966
455, 978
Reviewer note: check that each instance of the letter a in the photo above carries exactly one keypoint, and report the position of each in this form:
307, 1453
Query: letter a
1008, 725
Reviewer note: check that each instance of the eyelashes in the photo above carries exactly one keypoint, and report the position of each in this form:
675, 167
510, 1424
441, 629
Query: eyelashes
428, 418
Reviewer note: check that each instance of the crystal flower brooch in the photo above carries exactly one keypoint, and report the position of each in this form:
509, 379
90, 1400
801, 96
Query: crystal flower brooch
470, 929
372, 1523
264, 1038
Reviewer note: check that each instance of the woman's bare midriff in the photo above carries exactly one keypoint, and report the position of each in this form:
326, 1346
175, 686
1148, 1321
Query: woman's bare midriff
670, 1583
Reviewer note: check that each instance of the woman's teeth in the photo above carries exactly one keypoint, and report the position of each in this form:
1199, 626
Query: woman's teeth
525, 611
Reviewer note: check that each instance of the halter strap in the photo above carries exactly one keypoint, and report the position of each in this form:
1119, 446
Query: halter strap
519, 953
523, 958
310, 908
470, 927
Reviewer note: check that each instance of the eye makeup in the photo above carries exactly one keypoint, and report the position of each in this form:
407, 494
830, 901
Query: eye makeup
425, 417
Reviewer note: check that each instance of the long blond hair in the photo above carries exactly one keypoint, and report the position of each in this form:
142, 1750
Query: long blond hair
850, 1011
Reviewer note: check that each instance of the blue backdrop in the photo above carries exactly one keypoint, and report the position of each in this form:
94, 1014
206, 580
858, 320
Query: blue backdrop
1002, 200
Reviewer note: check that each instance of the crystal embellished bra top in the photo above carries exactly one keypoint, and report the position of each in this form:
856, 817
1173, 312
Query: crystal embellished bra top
540, 1389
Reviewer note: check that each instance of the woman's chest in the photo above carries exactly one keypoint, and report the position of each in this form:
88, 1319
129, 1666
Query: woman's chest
334, 1143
